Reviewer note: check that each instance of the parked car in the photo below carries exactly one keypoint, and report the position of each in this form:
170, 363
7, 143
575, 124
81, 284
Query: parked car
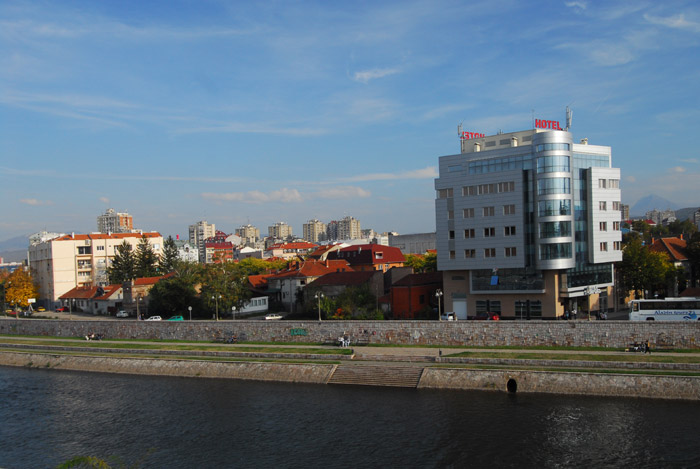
41, 309
272, 317
154, 318
62, 309
122, 314
449, 316
176, 318
487, 317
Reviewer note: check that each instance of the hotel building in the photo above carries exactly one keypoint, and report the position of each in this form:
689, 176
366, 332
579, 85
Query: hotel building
528, 224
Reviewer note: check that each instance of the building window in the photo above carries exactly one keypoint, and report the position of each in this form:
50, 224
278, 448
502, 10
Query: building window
100, 248
490, 252
616, 226
613, 184
550, 208
450, 215
603, 247
468, 191
489, 232
509, 231
553, 164
469, 253
603, 226
452, 234
445, 193
509, 209
603, 205
452, 254
555, 251
84, 249
486, 189
489, 211
555, 229
506, 186
617, 245
602, 183
616, 205
510, 252
468, 213
469, 233
547, 186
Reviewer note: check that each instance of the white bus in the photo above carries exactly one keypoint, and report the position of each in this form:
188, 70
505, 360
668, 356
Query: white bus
669, 309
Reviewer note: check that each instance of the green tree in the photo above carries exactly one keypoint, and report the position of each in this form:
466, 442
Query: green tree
169, 258
123, 264
173, 295
146, 262
19, 287
642, 270
693, 253
224, 286
417, 263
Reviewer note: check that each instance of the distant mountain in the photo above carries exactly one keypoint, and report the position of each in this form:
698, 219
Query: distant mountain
651, 202
685, 213
14, 244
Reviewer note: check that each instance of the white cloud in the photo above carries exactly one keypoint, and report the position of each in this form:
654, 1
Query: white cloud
677, 169
576, 5
343, 192
690, 160
631, 179
257, 197
104, 200
36, 202
367, 75
429, 172
674, 22
241, 128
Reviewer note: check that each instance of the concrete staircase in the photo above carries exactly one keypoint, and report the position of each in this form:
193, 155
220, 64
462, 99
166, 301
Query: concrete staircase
396, 376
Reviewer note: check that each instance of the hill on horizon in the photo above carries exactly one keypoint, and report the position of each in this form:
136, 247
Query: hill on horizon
649, 203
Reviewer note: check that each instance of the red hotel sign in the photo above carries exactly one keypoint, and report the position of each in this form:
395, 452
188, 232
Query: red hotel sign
471, 135
543, 124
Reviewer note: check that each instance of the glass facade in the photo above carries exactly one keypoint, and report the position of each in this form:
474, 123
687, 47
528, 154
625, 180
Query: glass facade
493, 165
553, 164
507, 280
546, 186
555, 251
551, 208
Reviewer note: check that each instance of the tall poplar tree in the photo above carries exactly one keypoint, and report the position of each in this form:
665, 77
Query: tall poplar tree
123, 264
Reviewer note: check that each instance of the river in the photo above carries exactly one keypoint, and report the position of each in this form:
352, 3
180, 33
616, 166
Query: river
48, 417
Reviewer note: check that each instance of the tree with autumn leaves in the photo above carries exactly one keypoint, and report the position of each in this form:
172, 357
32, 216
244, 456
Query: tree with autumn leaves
19, 287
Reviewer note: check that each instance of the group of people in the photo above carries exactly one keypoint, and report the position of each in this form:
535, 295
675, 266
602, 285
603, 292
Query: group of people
93, 336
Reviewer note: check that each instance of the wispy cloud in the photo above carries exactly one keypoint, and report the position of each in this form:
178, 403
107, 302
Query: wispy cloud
366, 76
677, 169
104, 200
576, 5
35, 202
689, 160
247, 128
343, 192
257, 197
429, 172
675, 22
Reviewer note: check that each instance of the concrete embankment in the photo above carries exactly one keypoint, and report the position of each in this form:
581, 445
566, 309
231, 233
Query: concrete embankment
521, 381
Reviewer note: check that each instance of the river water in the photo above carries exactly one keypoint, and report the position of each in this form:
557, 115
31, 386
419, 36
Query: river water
48, 417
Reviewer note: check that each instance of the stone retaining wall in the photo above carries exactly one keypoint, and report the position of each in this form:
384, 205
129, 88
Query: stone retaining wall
475, 333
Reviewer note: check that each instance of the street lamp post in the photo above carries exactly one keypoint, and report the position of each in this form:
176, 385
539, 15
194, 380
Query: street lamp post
318, 296
438, 295
233, 312
138, 300
216, 301
189, 308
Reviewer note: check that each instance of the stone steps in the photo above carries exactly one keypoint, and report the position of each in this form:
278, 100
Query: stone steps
394, 376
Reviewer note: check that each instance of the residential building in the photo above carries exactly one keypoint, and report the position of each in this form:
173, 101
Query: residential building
186, 251
658, 216
413, 296
280, 230
249, 234
314, 231
527, 224
218, 249
79, 260
675, 249
96, 300
114, 222
199, 232
332, 231
349, 228
290, 250
625, 209
288, 285
418, 243
369, 257
335, 283
136, 296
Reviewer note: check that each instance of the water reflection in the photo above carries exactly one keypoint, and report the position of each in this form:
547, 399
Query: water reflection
52, 416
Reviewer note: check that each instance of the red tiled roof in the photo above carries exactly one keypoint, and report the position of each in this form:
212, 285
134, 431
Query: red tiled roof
321, 250
302, 245
365, 254
86, 293
345, 278
151, 280
312, 268
674, 247
427, 278
258, 281
82, 237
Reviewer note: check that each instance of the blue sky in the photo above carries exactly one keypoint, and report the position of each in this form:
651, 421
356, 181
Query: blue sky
237, 112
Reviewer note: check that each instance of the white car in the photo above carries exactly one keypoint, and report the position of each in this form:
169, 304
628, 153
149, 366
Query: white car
122, 314
154, 318
272, 317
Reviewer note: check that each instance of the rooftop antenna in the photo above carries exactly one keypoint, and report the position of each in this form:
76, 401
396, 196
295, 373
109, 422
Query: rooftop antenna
569, 117
461, 140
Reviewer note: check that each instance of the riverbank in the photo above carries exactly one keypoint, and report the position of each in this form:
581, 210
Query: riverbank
414, 367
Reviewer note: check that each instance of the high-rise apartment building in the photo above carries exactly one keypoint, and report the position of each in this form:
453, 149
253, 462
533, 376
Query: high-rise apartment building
199, 232
113, 222
78, 260
528, 224
349, 228
314, 231
280, 230
249, 234
625, 212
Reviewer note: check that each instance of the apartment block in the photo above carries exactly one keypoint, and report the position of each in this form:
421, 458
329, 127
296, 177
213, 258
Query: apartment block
314, 231
114, 222
200, 232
